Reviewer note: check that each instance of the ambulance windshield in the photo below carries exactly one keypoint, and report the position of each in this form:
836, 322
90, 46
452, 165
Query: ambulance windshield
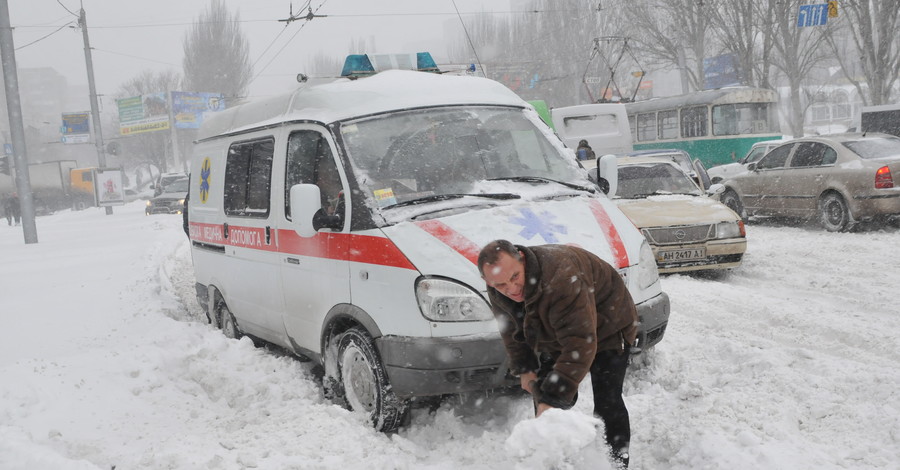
449, 151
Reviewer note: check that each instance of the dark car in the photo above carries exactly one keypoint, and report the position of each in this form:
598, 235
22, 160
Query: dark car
171, 201
841, 179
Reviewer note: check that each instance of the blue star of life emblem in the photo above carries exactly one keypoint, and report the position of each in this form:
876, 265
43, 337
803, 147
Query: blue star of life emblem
542, 225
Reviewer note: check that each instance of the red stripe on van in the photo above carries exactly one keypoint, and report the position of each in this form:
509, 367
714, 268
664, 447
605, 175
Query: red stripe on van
612, 235
339, 246
451, 238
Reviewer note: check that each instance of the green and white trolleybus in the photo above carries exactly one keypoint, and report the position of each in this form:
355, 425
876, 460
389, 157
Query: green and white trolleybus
716, 126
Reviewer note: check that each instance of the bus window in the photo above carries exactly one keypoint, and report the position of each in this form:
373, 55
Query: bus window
668, 124
646, 127
745, 118
693, 122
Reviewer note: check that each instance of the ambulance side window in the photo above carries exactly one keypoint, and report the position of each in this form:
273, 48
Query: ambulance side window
310, 161
248, 178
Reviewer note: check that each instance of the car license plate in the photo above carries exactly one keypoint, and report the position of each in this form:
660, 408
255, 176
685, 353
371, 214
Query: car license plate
689, 254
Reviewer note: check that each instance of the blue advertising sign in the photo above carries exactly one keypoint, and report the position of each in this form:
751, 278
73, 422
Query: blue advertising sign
190, 107
76, 128
721, 71
812, 15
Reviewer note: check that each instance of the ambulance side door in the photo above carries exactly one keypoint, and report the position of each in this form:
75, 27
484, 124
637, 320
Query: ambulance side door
252, 287
315, 270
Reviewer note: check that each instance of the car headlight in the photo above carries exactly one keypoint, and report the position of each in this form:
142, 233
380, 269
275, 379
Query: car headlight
181, 202
149, 203
647, 273
730, 229
445, 300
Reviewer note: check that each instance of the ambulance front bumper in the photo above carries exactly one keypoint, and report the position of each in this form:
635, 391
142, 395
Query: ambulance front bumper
435, 366
653, 317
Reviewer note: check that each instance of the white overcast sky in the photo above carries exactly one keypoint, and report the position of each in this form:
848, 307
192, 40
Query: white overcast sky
128, 36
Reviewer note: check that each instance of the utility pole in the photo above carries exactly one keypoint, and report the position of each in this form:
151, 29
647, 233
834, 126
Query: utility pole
17, 129
95, 109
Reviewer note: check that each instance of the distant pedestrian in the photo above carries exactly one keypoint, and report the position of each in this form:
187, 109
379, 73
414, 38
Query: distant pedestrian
12, 209
584, 151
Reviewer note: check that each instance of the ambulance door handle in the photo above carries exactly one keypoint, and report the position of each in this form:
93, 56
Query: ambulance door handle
225, 229
268, 235
293, 261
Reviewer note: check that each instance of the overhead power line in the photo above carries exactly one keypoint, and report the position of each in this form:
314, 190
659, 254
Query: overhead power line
45, 36
67, 9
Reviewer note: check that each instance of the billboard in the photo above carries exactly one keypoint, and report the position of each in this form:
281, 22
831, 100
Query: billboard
189, 108
143, 113
108, 188
76, 128
721, 71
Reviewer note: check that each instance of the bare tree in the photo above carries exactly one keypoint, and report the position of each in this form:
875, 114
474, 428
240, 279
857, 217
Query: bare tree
148, 147
216, 54
675, 41
542, 51
745, 30
798, 52
872, 28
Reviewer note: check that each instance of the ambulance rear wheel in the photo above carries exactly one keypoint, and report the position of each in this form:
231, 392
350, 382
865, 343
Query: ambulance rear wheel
227, 323
363, 381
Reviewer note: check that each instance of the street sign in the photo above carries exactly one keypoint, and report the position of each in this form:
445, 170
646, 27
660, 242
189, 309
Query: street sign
812, 15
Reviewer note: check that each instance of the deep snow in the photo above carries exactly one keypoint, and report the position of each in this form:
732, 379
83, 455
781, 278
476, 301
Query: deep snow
789, 362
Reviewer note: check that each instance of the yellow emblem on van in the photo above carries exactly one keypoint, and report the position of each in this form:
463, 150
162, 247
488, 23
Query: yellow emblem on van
205, 171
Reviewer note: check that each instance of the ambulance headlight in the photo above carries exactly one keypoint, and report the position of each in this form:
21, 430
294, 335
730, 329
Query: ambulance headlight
445, 300
647, 273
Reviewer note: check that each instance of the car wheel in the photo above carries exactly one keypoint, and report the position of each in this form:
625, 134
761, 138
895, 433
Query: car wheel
833, 213
363, 381
227, 323
733, 201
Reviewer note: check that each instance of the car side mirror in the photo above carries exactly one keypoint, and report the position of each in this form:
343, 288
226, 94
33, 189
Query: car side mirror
306, 202
608, 170
716, 189
751, 166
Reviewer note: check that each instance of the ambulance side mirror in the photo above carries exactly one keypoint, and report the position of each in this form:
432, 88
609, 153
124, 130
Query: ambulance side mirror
305, 203
608, 170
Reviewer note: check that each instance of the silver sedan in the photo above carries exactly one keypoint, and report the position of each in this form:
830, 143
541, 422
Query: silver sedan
841, 179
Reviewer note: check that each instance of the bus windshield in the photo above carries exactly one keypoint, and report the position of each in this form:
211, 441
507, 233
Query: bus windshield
432, 152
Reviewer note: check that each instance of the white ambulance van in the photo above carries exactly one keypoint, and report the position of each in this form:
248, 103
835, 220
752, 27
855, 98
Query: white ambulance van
342, 221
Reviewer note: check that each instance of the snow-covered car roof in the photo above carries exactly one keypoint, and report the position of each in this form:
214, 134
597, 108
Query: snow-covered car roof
342, 99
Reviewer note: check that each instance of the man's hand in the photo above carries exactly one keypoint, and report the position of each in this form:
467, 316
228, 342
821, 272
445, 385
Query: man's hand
542, 407
527, 379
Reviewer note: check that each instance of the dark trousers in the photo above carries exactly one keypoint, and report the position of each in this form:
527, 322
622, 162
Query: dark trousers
607, 377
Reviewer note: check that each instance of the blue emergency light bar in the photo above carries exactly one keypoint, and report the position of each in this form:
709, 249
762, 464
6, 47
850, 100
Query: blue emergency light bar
363, 65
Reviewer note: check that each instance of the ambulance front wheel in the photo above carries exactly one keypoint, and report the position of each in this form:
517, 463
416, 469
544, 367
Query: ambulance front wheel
363, 381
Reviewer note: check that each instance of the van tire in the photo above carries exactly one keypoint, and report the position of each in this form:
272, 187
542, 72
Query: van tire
227, 322
363, 381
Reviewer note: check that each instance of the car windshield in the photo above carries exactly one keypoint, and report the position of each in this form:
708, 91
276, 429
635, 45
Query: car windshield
177, 186
877, 147
640, 181
428, 153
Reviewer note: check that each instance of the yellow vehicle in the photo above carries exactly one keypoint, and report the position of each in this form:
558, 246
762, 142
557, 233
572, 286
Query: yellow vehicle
81, 183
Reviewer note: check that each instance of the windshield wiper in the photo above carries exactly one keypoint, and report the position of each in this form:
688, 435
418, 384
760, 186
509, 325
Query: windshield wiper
659, 192
444, 197
540, 179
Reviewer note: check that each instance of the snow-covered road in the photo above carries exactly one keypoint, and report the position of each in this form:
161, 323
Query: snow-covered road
789, 362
